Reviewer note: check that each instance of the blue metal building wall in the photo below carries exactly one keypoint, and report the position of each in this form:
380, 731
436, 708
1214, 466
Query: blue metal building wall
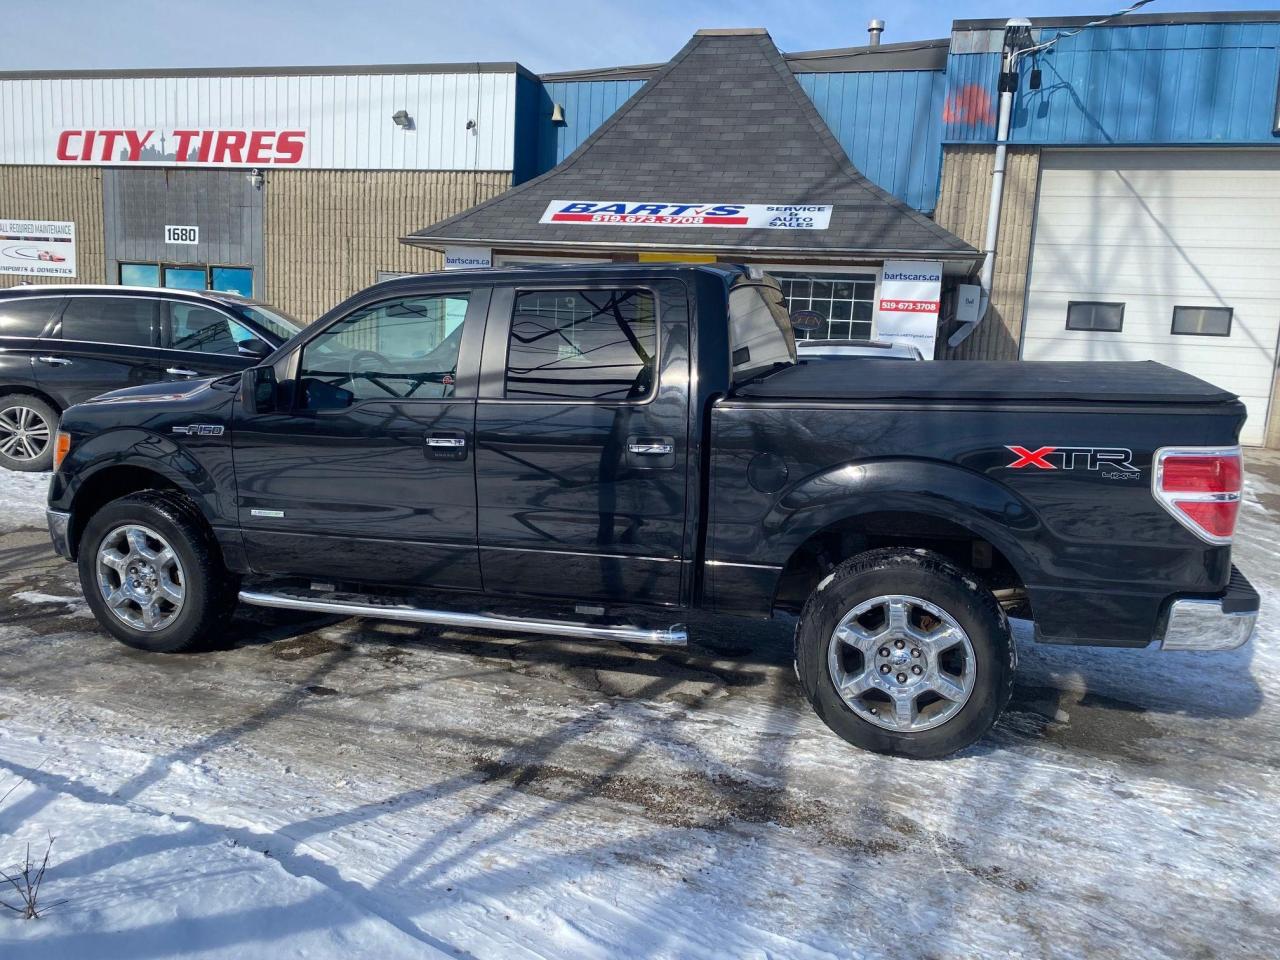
890, 125
1192, 83
587, 104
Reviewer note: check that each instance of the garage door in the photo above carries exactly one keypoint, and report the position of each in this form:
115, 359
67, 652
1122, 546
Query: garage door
1170, 255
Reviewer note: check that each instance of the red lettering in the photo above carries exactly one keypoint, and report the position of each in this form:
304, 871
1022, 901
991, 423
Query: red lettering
1031, 458
229, 147
182, 143
260, 146
136, 143
206, 141
289, 146
86, 152
64, 144
108, 141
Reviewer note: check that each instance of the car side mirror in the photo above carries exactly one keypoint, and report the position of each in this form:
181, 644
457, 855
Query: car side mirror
253, 348
258, 390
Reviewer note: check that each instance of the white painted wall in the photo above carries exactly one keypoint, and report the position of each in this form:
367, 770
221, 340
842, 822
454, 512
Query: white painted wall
347, 117
1156, 229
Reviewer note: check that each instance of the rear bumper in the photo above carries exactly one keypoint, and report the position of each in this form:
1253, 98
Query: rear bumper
59, 527
1223, 623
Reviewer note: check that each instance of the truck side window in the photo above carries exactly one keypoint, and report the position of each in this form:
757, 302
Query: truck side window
402, 349
582, 345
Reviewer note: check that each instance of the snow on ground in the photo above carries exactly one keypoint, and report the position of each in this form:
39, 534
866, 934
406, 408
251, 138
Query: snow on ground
22, 498
355, 788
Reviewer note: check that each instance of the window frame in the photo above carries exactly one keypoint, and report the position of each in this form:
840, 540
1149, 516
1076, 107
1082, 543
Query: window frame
1094, 303
477, 300
501, 352
1173, 322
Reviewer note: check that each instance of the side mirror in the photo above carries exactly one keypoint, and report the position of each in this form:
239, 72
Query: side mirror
253, 348
258, 390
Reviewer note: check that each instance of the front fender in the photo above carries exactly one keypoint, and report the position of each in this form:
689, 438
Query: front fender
142, 449
923, 487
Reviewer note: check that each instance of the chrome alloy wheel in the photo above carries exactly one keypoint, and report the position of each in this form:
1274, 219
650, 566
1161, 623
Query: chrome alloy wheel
24, 433
901, 663
140, 577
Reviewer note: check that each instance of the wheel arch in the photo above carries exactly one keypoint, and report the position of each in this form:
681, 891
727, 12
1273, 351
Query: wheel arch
111, 482
10, 389
975, 522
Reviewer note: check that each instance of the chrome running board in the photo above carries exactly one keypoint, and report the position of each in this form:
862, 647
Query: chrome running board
365, 606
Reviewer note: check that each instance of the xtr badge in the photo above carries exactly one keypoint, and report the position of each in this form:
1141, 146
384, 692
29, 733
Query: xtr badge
1113, 463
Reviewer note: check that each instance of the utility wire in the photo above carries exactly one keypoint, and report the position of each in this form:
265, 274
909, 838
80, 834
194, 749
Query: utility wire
1060, 35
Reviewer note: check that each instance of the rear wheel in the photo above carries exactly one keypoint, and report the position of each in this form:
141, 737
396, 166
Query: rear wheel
152, 573
27, 427
901, 652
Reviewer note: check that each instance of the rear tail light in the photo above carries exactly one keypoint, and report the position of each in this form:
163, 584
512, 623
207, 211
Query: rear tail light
1201, 487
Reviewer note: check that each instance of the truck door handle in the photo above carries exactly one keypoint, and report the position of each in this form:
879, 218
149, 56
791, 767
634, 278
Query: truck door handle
446, 445
181, 372
651, 448
55, 361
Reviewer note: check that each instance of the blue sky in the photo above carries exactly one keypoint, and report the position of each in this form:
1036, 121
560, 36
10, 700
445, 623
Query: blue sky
544, 35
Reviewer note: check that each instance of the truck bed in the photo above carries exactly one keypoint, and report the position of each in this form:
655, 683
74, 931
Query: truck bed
834, 379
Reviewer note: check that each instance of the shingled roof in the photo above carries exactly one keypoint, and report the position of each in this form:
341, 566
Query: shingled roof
724, 122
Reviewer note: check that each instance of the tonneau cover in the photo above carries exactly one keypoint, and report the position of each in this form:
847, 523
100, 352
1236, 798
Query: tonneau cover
869, 378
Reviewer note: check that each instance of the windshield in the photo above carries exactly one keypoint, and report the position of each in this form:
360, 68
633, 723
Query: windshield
760, 334
271, 319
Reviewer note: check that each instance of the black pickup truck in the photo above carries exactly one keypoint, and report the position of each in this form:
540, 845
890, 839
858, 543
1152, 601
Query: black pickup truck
599, 451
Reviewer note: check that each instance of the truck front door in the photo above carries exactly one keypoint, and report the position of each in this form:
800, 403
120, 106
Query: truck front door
367, 475
581, 442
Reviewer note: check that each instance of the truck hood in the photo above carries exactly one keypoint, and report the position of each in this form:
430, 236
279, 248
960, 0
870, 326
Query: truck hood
835, 379
154, 392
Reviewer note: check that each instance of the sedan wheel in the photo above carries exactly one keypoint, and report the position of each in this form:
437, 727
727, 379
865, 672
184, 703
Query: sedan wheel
25, 433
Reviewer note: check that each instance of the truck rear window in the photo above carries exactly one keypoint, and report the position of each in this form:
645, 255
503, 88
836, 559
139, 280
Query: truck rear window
582, 345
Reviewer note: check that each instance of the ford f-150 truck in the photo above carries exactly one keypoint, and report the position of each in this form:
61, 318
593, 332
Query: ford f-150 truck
598, 451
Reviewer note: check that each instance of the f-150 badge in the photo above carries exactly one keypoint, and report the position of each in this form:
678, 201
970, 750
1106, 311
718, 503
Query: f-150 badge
200, 430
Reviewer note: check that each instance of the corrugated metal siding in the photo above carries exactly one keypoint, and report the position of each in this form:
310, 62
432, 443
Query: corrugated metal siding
347, 118
587, 104
890, 125
328, 233
224, 204
962, 208
51, 193
1191, 83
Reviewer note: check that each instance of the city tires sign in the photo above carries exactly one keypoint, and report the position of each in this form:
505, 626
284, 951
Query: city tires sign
38, 248
737, 216
245, 148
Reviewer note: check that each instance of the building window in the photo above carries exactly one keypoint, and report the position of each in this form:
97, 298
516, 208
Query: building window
1095, 315
845, 303
1202, 321
189, 276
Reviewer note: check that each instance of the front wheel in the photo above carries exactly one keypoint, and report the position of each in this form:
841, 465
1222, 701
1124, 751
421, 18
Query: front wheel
153, 575
900, 652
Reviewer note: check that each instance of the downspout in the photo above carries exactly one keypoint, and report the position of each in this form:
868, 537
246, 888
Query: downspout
1008, 84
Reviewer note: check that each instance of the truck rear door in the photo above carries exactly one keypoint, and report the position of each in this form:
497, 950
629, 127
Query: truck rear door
582, 441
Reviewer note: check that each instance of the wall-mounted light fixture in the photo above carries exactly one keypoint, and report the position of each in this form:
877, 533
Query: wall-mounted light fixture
402, 119
471, 125
557, 115
256, 179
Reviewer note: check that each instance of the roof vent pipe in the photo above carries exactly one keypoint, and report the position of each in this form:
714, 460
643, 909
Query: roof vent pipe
874, 29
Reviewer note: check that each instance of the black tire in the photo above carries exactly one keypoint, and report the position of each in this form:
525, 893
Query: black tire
210, 592
929, 577
14, 407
